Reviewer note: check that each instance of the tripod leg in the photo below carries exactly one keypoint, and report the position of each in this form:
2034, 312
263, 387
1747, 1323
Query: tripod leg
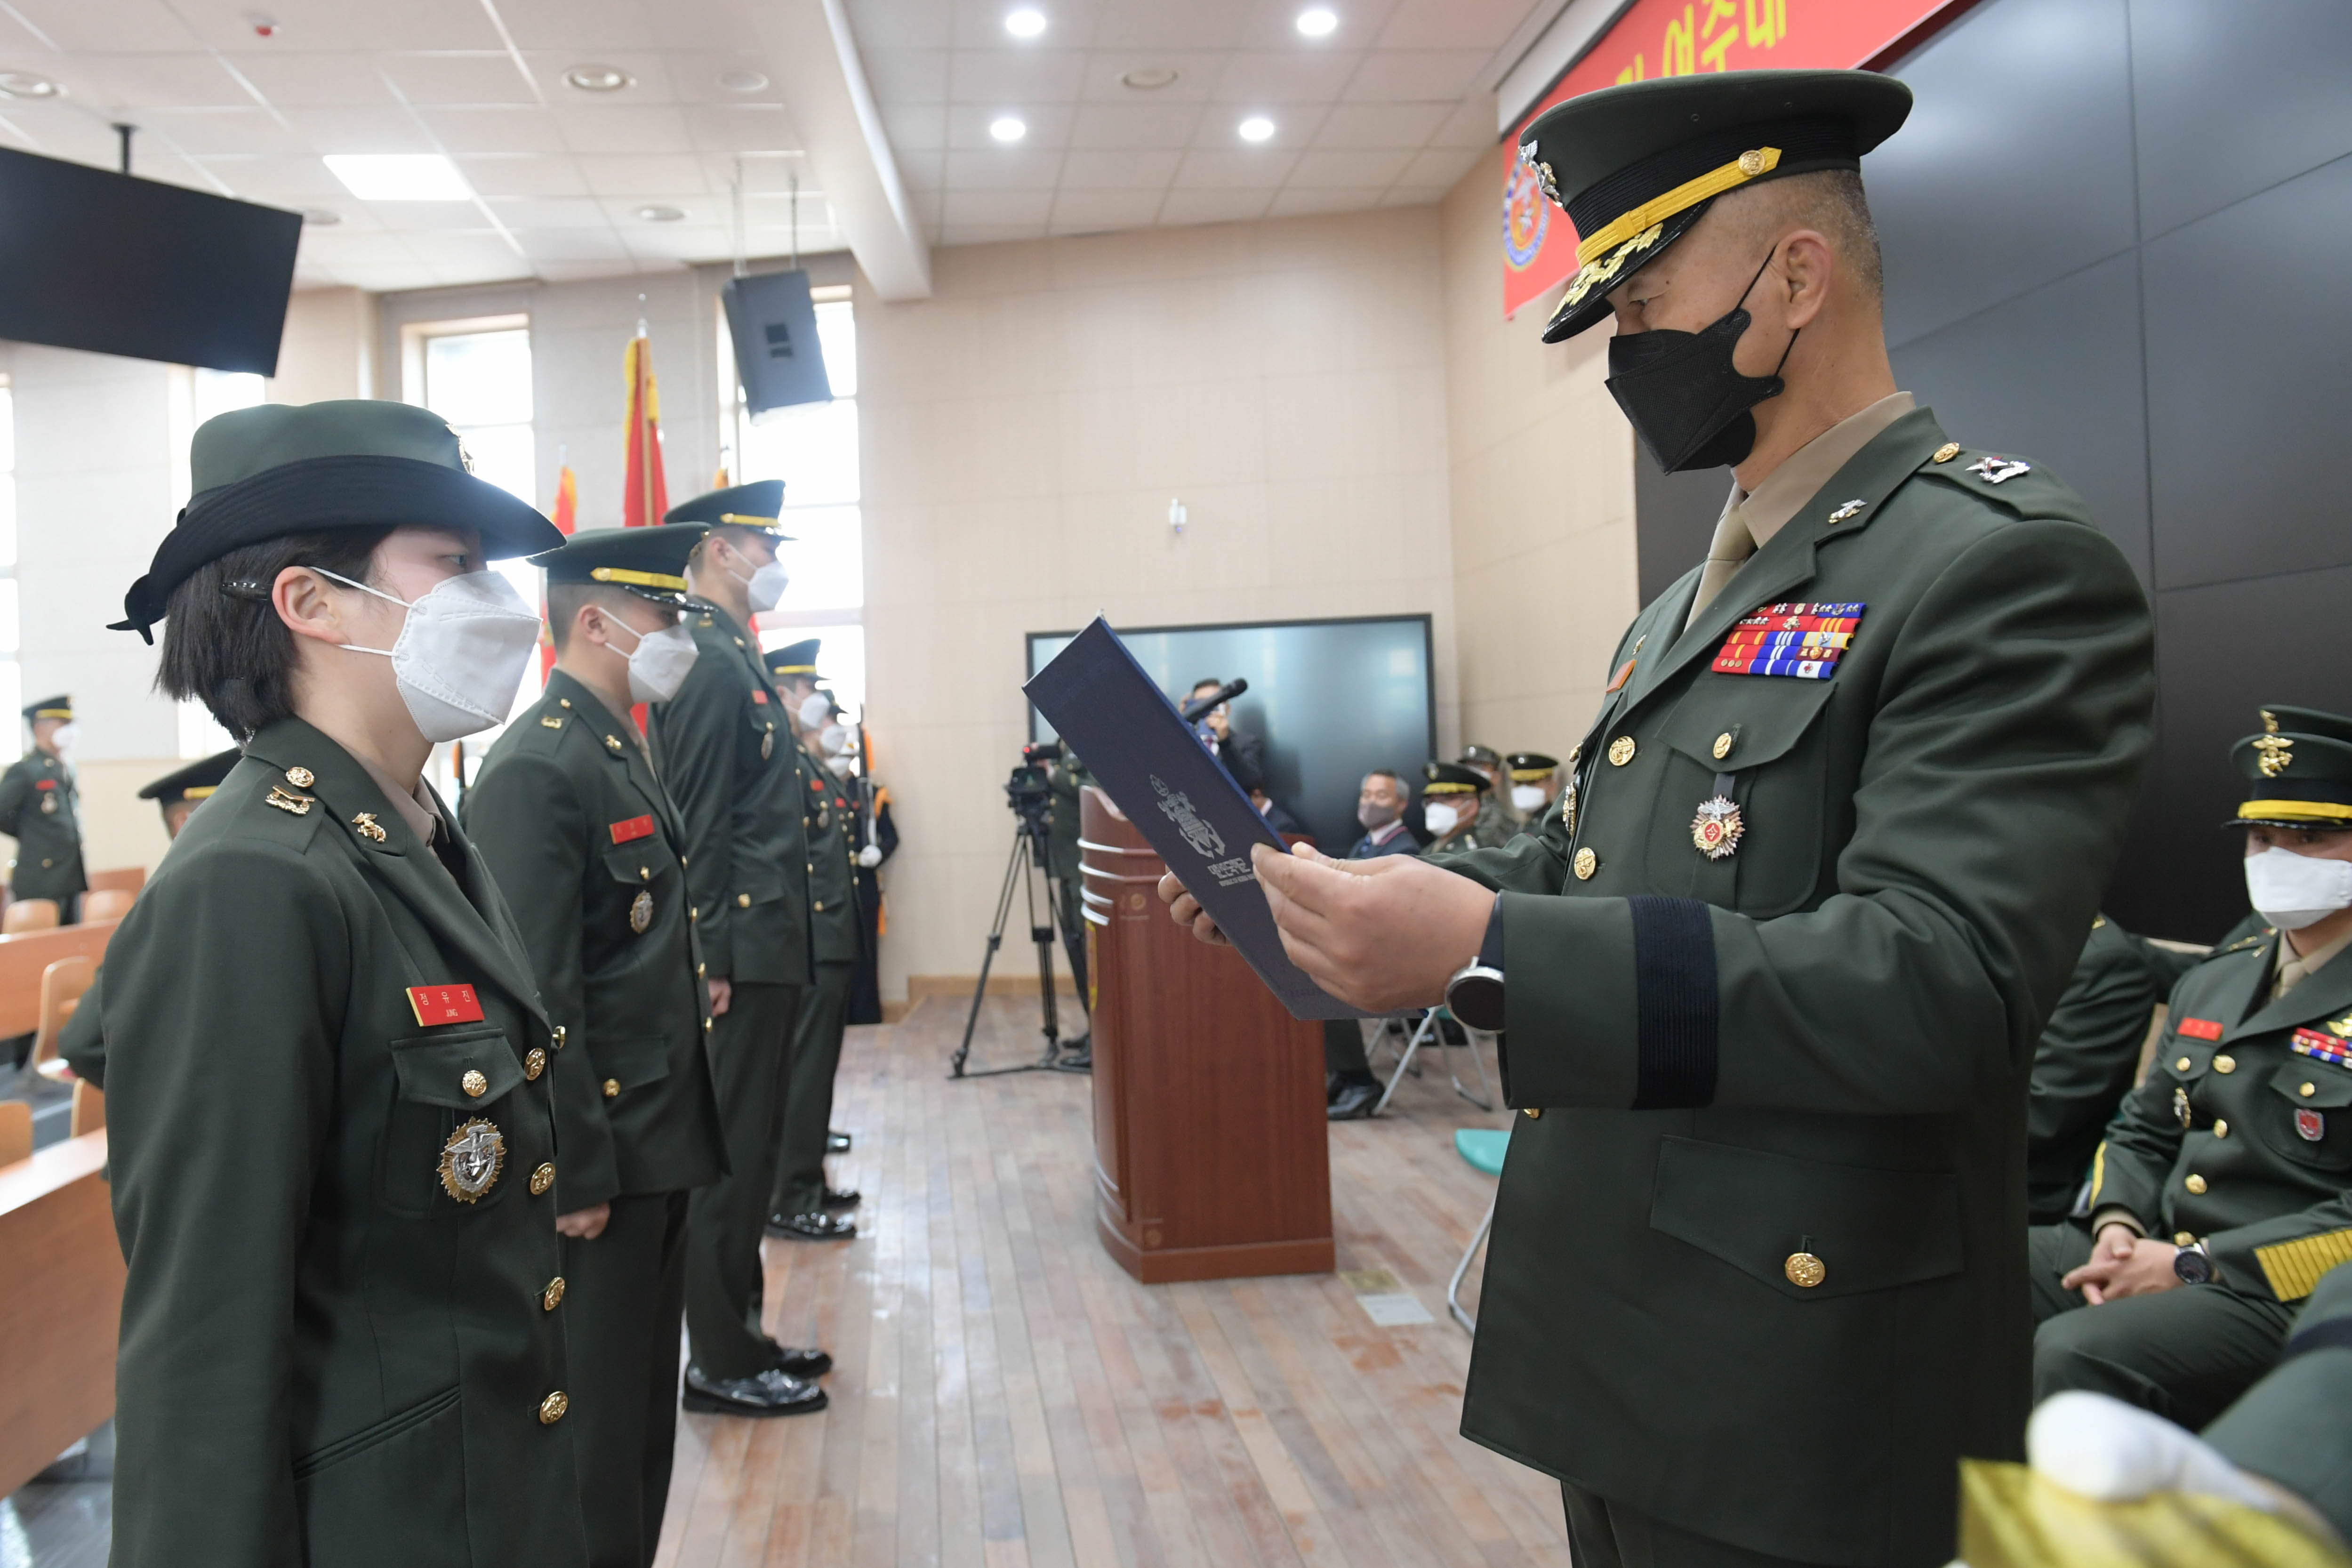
987, 960
1045, 936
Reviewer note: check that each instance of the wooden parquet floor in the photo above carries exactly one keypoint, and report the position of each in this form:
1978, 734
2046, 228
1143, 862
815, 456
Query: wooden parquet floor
1005, 1397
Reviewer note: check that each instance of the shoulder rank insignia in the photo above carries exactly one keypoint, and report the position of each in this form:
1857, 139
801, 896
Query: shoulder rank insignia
1851, 509
550, 722
613, 744
367, 828
1804, 641
2341, 1027
2328, 1048
1999, 471
299, 805
1948, 451
471, 1161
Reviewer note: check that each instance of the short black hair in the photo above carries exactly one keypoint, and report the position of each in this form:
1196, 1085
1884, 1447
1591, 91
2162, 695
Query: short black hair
564, 600
1211, 682
223, 643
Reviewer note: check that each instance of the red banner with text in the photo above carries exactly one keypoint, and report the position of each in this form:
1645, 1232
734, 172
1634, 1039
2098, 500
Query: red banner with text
1677, 37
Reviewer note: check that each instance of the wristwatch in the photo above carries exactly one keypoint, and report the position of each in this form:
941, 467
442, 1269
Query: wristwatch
1474, 994
2192, 1264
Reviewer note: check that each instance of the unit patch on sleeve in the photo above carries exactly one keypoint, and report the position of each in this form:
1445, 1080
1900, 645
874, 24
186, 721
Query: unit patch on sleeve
1804, 641
633, 829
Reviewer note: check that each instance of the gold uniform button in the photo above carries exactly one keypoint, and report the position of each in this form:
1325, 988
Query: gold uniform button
706, 1024
612, 1089
2225, 1065
534, 1064
699, 970
2195, 1183
1587, 863
474, 1084
556, 1034
553, 1297
542, 1179
2307, 1090
1621, 751
1723, 745
552, 1408
1948, 451
645, 874
2182, 1065
1533, 1114
743, 901
300, 777
1804, 1270
2221, 1129
818, 906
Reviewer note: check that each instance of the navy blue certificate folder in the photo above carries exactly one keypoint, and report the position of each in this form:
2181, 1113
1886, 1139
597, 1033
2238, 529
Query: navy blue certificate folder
1179, 797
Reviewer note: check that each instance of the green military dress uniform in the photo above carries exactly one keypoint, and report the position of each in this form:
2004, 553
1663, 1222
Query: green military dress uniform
343, 1338
2290, 1426
2239, 1139
724, 749
1488, 763
2087, 1057
569, 814
40, 809
805, 1117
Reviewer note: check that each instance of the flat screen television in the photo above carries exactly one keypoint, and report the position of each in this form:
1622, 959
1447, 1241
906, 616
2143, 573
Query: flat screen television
1332, 699
117, 265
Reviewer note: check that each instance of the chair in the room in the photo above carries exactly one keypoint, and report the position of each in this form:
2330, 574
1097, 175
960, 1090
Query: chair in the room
106, 904
28, 914
1483, 1150
63, 984
89, 1113
1425, 1033
16, 1132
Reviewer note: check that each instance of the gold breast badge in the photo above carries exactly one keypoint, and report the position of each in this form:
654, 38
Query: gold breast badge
1716, 829
471, 1161
641, 911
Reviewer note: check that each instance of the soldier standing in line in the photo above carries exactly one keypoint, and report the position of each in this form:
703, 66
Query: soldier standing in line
1535, 784
40, 809
1772, 973
724, 749
2220, 1196
1457, 805
799, 1208
569, 814
332, 1151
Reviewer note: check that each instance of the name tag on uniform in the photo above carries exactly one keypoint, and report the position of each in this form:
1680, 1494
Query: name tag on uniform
44, 784
636, 827
1802, 641
760, 696
2322, 1047
445, 1005
2201, 1028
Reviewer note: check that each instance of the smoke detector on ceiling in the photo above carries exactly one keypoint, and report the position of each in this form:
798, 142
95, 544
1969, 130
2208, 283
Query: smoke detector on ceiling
1149, 78
598, 79
263, 25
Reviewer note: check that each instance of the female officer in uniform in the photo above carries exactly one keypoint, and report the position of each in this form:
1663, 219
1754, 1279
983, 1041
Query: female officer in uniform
329, 1073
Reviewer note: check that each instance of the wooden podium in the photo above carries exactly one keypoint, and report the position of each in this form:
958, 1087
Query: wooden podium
1212, 1153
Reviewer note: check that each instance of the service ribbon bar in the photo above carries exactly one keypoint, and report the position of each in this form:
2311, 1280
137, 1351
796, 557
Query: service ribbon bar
1803, 641
2325, 1047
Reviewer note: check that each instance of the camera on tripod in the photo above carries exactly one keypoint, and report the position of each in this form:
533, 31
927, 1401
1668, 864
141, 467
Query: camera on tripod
1029, 792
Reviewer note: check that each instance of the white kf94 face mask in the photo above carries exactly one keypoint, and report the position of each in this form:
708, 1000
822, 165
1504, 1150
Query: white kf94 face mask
658, 665
1527, 797
765, 586
460, 654
2292, 891
1440, 819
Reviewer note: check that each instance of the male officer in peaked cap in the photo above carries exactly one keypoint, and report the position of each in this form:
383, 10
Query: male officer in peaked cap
2219, 1197
1534, 785
798, 1210
334, 1168
1772, 972
1458, 804
724, 748
40, 809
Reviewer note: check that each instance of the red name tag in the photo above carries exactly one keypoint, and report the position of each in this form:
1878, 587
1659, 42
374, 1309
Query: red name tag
445, 1005
2201, 1028
44, 784
636, 827
761, 698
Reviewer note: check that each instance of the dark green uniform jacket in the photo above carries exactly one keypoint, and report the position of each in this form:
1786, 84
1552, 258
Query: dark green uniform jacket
2237, 1137
1816, 1045
2085, 1062
40, 809
1489, 831
726, 755
826, 812
583, 838
2290, 1426
337, 1210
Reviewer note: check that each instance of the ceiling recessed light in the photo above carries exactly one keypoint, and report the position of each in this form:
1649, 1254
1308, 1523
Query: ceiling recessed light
320, 217
598, 79
1149, 78
1025, 23
24, 84
399, 176
744, 81
1318, 21
1256, 128
1006, 129
264, 26
660, 214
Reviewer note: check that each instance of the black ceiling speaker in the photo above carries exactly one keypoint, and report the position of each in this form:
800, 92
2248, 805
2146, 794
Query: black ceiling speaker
777, 356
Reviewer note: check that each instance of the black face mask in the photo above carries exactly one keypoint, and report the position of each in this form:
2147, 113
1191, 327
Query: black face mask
1683, 395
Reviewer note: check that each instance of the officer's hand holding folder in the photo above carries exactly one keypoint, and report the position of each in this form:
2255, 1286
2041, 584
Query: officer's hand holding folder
1181, 798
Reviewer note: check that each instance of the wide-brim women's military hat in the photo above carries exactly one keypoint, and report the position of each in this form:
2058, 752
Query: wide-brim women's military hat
795, 658
1452, 778
755, 505
263, 473
1636, 166
195, 781
2297, 777
647, 561
1532, 767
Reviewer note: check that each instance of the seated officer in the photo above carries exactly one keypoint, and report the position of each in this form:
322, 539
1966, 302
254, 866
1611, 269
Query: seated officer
2219, 1197
40, 809
584, 841
1350, 1089
1535, 784
1455, 804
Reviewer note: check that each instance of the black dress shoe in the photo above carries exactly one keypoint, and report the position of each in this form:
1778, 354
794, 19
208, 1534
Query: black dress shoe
770, 1393
1354, 1101
836, 1142
816, 1226
842, 1197
801, 1363
1332, 1084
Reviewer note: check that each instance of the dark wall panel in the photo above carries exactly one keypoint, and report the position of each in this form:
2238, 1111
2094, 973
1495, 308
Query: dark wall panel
1993, 383
2015, 166
2205, 140
2250, 380
1675, 520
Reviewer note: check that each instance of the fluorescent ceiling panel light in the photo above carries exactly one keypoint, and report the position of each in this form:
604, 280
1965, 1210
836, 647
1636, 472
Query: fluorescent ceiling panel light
399, 176
1318, 21
1025, 23
1007, 129
1256, 128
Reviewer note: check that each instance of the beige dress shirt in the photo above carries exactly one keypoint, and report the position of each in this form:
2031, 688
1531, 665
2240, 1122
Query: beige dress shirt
414, 805
1750, 520
2293, 971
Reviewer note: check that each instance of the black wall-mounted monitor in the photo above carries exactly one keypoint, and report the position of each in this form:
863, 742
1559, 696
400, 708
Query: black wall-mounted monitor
117, 265
772, 324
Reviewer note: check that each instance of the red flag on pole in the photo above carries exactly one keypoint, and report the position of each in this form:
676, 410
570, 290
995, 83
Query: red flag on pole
645, 495
566, 517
